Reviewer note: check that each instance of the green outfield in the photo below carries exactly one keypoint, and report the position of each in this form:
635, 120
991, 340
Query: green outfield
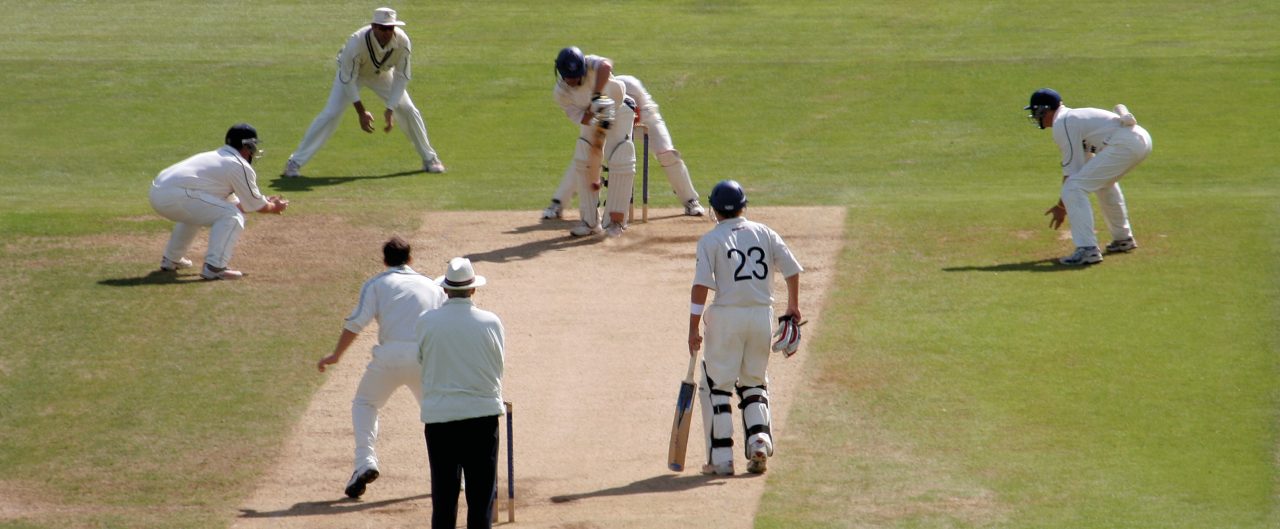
959, 378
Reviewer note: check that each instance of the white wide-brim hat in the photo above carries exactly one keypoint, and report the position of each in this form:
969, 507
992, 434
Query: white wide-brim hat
460, 275
385, 16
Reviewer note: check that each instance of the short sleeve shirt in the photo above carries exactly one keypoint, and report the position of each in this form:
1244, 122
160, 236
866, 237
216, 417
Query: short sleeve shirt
738, 259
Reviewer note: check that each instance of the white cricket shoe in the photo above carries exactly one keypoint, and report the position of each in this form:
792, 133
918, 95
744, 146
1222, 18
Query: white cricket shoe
693, 209
213, 274
291, 169
614, 230
359, 481
1084, 255
554, 211
173, 266
758, 462
718, 470
434, 166
1122, 245
583, 230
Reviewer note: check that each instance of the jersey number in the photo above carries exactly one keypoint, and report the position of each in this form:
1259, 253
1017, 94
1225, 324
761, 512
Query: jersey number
758, 272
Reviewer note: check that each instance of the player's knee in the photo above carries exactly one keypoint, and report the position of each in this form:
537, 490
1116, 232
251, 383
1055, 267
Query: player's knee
669, 158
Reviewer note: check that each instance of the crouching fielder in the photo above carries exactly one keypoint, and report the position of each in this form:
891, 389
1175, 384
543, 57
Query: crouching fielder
738, 259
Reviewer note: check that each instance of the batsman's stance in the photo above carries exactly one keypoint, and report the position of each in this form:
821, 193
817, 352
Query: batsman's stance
1098, 149
738, 259
592, 98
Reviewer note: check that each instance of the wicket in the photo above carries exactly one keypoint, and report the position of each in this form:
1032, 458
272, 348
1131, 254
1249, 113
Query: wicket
644, 212
511, 473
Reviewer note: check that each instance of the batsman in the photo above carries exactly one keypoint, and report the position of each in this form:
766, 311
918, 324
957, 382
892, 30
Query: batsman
739, 259
593, 99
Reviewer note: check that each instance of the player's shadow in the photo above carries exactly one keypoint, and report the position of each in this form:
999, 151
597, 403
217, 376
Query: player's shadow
1039, 265
328, 507
156, 277
656, 484
533, 249
307, 183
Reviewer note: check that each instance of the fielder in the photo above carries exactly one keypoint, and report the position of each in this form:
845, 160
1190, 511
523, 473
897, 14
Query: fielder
592, 98
1098, 149
375, 57
213, 189
395, 298
663, 150
738, 259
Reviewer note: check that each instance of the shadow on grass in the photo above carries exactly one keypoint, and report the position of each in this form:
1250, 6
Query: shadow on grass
328, 507
532, 249
663, 483
156, 277
1040, 265
307, 183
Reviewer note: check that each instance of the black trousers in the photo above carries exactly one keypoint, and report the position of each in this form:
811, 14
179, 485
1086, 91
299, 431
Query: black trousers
469, 445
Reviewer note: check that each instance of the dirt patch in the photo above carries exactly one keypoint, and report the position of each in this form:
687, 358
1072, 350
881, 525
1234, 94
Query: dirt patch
596, 350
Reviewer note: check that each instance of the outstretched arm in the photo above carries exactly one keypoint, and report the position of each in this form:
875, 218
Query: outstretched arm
344, 341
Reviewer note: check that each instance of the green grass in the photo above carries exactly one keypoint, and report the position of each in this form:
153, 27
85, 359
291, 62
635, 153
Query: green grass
959, 380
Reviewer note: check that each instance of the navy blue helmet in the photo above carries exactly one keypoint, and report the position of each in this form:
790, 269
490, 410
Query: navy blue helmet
570, 63
1043, 101
241, 135
728, 197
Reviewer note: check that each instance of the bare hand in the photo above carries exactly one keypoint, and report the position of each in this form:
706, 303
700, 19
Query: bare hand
328, 360
595, 186
695, 343
795, 315
280, 203
1059, 214
366, 122
386, 116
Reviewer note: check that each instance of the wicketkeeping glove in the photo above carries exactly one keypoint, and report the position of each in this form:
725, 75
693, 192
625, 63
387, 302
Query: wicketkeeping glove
787, 337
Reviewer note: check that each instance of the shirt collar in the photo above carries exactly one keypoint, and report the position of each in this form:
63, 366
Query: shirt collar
459, 301
232, 150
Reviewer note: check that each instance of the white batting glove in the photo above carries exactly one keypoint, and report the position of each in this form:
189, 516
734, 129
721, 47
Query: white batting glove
601, 103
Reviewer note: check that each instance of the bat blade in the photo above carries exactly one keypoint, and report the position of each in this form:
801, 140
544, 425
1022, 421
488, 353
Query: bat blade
684, 416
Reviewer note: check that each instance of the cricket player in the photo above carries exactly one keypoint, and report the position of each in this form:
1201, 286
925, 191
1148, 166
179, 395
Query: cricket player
663, 149
593, 99
377, 57
1098, 149
213, 189
395, 298
738, 259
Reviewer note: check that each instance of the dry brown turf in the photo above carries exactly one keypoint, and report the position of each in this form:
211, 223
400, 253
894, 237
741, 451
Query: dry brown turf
596, 348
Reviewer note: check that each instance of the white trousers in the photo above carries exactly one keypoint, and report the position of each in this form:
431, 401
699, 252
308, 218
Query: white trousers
659, 145
737, 346
407, 119
619, 156
1101, 175
192, 210
393, 365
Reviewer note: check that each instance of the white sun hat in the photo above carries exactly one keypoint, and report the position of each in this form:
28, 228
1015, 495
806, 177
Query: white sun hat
385, 16
460, 275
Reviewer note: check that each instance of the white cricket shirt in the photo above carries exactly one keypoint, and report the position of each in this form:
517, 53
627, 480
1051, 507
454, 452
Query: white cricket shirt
461, 351
738, 259
219, 173
1082, 132
363, 58
397, 297
576, 100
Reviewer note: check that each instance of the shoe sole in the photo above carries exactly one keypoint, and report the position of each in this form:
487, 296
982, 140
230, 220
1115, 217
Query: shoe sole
356, 490
758, 463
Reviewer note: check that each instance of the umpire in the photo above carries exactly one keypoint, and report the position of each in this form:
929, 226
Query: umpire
461, 351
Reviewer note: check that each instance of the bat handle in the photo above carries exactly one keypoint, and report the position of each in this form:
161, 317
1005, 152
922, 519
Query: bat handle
693, 364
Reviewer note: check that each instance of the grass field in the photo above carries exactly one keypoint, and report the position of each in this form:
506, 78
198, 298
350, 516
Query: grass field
959, 379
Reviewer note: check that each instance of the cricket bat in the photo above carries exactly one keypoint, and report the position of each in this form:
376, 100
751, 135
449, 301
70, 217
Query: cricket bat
684, 415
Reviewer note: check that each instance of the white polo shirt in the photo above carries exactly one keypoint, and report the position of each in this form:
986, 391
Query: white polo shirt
738, 259
397, 297
1082, 132
461, 351
221, 174
575, 100
363, 58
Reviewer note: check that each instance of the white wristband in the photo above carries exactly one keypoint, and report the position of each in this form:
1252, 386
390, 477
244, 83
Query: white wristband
695, 309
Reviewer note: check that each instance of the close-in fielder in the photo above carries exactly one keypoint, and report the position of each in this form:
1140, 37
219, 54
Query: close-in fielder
738, 259
213, 189
396, 298
663, 149
593, 99
377, 57
1098, 149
